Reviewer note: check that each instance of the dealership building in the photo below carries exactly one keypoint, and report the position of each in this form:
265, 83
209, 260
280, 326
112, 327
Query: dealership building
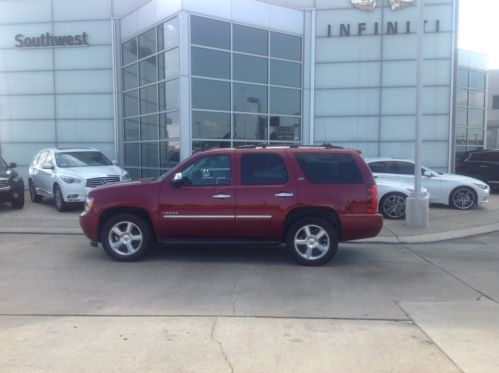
149, 82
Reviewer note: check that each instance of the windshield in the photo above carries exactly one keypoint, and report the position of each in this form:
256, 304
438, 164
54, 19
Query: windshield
2, 163
81, 159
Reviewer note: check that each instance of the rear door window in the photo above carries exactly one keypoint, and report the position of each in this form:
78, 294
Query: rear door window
263, 169
380, 167
329, 168
401, 168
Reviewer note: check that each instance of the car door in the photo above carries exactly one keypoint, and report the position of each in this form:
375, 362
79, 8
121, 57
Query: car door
46, 175
265, 191
36, 173
202, 204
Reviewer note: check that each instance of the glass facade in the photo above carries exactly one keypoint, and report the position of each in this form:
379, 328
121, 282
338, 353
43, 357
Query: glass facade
151, 103
246, 85
470, 110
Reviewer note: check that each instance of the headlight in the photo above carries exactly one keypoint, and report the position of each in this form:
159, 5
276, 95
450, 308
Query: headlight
70, 180
89, 201
125, 176
482, 186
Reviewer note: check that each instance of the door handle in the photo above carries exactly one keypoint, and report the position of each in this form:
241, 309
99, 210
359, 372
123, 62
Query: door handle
284, 195
221, 196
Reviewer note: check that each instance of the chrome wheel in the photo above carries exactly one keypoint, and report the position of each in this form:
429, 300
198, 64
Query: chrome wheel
463, 198
393, 206
125, 238
311, 242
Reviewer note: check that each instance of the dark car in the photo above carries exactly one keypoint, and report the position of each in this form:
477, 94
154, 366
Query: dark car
482, 165
11, 185
309, 198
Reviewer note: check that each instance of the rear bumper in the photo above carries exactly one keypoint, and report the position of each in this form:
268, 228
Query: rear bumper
357, 226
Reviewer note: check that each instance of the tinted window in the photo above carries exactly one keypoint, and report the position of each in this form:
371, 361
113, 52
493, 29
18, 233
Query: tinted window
250, 98
168, 34
378, 167
147, 43
129, 51
486, 156
250, 127
209, 170
401, 168
285, 46
263, 169
495, 103
285, 101
210, 125
462, 77
207, 62
477, 80
249, 68
210, 94
148, 71
209, 32
329, 168
250, 40
285, 73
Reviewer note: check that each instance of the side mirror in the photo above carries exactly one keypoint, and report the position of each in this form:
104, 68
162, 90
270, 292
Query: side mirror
12, 165
427, 173
178, 179
47, 166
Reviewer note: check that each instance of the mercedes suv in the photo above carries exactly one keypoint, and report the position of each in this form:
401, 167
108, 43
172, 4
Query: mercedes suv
309, 198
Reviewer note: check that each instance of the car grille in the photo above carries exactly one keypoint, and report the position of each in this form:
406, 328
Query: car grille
97, 181
4, 183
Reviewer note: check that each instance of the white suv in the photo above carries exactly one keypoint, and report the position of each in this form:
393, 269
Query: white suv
68, 174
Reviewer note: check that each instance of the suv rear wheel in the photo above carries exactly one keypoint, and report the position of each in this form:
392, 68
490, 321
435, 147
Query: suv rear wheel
126, 237
312, 241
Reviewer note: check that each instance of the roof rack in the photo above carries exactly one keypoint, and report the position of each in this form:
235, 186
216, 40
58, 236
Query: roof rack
252, 146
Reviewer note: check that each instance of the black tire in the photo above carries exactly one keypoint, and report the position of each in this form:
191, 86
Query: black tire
60, 205
32, 192
392, 206
122, 251
463, 198
18, 203
322, 234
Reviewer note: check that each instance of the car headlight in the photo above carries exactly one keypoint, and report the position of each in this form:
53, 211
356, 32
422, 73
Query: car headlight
70, 180
89, 201
482, 186
125, 176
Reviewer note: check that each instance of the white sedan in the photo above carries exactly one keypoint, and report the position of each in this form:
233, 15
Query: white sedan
460, 192
392, 196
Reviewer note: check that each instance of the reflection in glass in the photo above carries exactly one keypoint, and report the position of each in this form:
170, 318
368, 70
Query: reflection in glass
169, 125
147, 43
250, 40
250, 98
477, 80
462, 96
462, 77
461, 116
285, 46
168, 34
285, 73
460, 136
476, 118
133, 172
477, 98
210, 94
131, 129
250, 127
285, 101
209, 125
131, 103
149, 154
169, 153
211, 63
285, 128
148, 71
149, 99
475, 136
129, 53
132, 154
209, 32
198, 146
249, 68
149, 127
168, 64
169, 95
147, 172
130, 77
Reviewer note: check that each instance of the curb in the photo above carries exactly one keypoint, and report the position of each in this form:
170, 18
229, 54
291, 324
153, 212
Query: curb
38, 230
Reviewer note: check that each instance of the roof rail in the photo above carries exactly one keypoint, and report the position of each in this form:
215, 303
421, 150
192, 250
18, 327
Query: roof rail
253, 146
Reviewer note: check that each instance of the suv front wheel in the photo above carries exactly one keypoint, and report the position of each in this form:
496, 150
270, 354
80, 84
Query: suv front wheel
126, 237
312, 241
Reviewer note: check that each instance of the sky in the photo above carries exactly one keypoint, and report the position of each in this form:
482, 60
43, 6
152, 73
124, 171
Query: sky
478, 29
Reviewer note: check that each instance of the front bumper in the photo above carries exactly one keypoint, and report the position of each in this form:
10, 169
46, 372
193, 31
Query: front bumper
483, 196
89, 225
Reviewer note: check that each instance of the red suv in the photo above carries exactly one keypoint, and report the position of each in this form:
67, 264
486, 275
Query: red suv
309, 198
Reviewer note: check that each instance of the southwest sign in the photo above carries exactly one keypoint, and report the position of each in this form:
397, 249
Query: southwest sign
48, 40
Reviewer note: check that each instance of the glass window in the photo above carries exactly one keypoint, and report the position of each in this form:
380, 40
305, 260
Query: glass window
132, 129
149, 127
249, 68
208, 171
169, 95
285, 128
475, 136
133, 172
149, 99
401, 168
263, 169
495, 102
285, 46
198, 146
461, 117
149, 173
148, 71
147, 43
462, 78
329, 168
476, 118
169, 153
210, 94
285, 101
477, 98
250, 40
462, 96
380, 167
210, 32
460, 136
131, 103
132, 154
169, 125
130, 77
477, 80
149, 154
81, 159
285, 73
250, 127
211, 63
168, 64
210, 125
168, 34
129, 53
250, 98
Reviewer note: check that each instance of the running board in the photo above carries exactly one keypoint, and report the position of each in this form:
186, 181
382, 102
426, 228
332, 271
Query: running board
216, 241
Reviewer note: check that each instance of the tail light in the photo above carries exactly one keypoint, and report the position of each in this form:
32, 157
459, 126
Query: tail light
372, 194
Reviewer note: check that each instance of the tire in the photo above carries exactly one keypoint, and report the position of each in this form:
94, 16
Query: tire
18, 203
60, 205
463, 198
118, 237
392, 206
312, 241
32, 192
